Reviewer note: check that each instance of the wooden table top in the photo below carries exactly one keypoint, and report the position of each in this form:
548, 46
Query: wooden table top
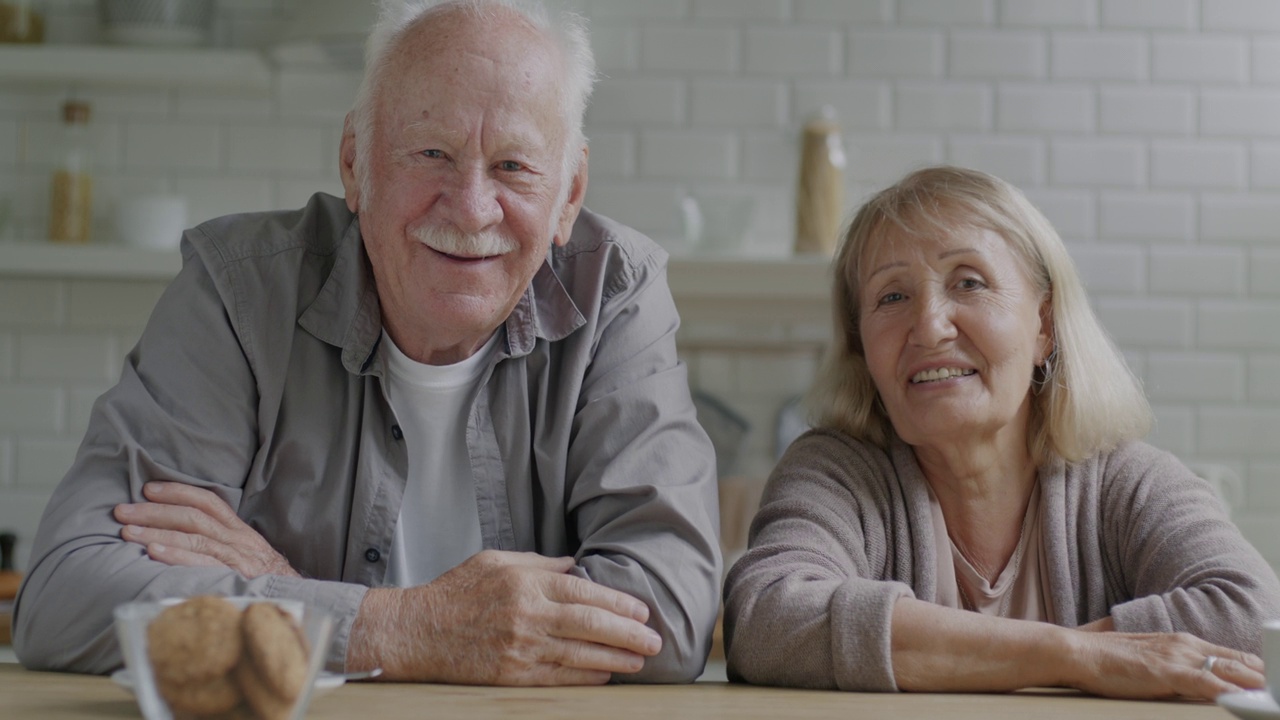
59, 696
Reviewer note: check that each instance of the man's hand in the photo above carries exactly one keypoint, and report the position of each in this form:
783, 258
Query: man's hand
187, 525
503, 618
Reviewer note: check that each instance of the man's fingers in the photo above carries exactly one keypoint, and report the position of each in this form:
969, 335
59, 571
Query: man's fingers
174, 493
570, 589
603, 628
590, 656
180, 518
177, 556
527, 559
554, 674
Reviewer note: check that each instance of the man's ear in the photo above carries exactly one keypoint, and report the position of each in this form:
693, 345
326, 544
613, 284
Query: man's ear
572, 203
347, 164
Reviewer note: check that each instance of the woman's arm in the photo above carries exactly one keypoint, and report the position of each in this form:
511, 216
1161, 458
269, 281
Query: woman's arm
946, 650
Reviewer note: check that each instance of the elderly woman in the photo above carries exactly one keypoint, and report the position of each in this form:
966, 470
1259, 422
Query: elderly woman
974, 510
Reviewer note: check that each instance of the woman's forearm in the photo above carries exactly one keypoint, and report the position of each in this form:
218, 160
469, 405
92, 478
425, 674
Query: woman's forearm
941, 649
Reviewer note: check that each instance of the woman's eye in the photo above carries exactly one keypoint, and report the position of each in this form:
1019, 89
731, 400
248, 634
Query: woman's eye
888, 298
970, 284
433, 153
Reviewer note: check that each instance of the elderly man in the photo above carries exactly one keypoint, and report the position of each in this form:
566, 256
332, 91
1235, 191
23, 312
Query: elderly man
449, 410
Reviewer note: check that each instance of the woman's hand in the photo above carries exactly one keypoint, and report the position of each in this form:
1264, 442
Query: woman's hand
1158, 665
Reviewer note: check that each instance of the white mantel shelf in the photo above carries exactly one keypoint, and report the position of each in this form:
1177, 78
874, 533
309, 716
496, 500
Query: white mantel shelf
700, 278
135, 67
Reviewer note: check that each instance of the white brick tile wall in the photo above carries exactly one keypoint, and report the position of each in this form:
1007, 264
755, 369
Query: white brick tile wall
1063, 108
212, 103
1265, 167
1250, 432
1181, 58
859, 105
1147, 323
1151, 14
316, 95
698, 49
1248, 218
117, 104
8, 142
1019, 160
946, 12
615, 47
1073, 212
688, 154
1197, 271
742, 9
1049, 13
1241, 15
276, 149
1194, 377
1262, 492
1239, 326
1100, 162
858, 12
43, 462
1174, 429
172, 147
1240, 112
943, 106
1264, 377
295, 193
6, 481
1154, 217
794, 51
1192, 164
1264, 272
79, 404
613, 155
30, 303
31, 409
745, 103
1088, 56
1266, 60
649, 207
770, 157
649, 9
70, 356
6, 356
111, 303
637, 101
40, 144
1110, 270
896, 53
1151, 110
211, 197
884, 159
998, 55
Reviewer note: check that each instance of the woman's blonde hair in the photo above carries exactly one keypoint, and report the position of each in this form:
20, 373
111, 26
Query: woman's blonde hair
1084, 398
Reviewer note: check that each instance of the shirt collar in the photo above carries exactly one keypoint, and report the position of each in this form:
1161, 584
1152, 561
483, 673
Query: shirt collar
346, 312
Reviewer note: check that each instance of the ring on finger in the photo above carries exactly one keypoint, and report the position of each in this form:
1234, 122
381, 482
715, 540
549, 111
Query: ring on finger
1209, 662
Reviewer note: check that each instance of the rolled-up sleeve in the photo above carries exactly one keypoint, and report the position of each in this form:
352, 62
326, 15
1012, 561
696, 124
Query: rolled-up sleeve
184, 410
642, 475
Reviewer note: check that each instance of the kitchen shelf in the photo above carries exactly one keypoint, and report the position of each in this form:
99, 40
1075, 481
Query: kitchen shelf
700, 278
36, 259
135, 67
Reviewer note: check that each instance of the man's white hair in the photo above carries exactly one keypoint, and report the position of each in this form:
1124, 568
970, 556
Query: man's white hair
568, 32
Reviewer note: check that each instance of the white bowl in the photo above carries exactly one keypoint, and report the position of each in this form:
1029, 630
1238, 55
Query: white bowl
132, 619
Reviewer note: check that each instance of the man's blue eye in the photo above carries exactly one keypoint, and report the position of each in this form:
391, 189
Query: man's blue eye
510, 165
433, 153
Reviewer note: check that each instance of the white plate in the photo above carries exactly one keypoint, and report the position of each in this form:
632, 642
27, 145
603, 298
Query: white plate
324, 681
1250, 705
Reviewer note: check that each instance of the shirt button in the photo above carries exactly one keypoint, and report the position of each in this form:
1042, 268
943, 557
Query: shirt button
396, 432
372, 555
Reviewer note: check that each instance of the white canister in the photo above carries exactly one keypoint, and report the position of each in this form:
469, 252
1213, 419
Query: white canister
152, 221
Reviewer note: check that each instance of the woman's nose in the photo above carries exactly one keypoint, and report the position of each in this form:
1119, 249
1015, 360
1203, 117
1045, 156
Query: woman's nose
933, 322
470, 202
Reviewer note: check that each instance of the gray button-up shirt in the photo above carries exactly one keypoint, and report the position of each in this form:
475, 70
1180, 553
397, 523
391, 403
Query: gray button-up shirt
259, 376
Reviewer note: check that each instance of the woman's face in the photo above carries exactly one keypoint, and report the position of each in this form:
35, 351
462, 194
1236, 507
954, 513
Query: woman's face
952, 331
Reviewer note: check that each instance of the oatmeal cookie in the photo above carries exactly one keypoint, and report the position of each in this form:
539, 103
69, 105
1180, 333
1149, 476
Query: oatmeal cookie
194, 641
274, 645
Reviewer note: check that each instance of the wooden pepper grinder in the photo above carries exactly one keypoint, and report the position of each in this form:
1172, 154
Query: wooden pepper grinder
820, 194
9, 580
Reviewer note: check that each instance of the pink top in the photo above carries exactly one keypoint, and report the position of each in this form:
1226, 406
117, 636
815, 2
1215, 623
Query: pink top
1020, 592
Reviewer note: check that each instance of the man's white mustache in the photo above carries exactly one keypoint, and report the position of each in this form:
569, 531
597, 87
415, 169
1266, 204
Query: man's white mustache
451, 242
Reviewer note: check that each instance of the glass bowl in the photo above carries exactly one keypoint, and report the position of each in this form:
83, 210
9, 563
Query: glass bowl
132, 620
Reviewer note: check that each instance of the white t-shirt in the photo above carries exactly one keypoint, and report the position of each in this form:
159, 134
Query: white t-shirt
439, 525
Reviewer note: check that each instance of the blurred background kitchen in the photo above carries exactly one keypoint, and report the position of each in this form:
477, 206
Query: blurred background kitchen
1148, 131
